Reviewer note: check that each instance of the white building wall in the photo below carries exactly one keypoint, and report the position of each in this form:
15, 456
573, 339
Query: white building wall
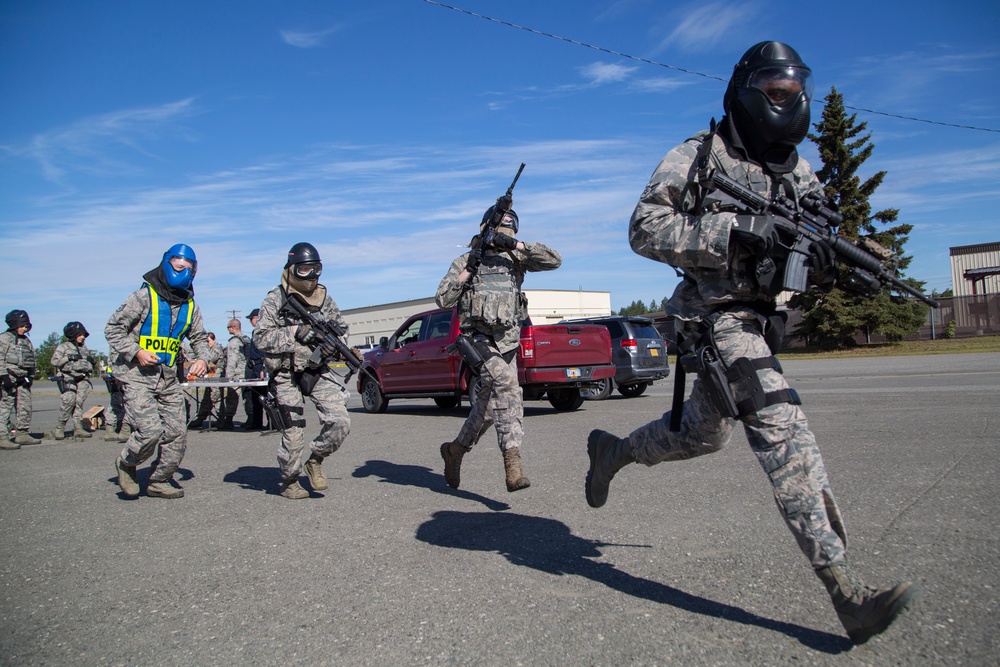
370, 323
978, 256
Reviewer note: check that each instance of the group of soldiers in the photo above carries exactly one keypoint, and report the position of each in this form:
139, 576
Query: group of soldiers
726, 315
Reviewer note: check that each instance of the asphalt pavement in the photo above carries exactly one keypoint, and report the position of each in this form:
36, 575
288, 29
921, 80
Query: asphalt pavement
688, 563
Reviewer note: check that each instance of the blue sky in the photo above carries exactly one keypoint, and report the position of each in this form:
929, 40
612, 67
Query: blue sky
380, 131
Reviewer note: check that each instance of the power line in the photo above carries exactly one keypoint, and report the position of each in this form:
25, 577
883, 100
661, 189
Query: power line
681, 69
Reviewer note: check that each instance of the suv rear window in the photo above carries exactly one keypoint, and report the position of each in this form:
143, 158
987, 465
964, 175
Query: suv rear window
646, 331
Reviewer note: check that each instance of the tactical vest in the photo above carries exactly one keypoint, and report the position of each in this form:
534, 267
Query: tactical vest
157, 335
493, 298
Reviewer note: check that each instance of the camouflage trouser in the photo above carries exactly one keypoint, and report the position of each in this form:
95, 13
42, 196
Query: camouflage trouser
499, 403
117, 416
74, 395
330, 399
154, 407
778, 435
220, 401
15, 409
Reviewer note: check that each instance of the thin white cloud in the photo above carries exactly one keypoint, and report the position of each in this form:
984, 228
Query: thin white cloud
703, 26
307, 40
600, 73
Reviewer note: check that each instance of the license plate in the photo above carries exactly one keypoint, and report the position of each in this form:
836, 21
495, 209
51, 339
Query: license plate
653, 352
572, 372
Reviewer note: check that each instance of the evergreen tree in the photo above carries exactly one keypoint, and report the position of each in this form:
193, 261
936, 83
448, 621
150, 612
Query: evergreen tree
43, 354
831, 320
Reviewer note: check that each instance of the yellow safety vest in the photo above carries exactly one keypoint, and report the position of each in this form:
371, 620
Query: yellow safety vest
157, 335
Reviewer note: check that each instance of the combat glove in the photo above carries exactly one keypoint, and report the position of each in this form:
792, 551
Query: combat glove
475, 257
756, 233
305, 334
504, 242
822, 263
7, 383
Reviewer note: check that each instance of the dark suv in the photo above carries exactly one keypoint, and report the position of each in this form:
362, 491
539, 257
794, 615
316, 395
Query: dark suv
638, 352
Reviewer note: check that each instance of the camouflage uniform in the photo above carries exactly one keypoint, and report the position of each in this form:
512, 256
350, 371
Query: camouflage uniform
154, 399
285, 359
211, 399
17, 361
499, 401
718, 284
75, 363
235, 369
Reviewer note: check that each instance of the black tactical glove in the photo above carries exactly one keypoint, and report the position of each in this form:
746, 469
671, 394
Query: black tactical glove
504, 242
26, 381
822, 265
756, 233
305, 334
475, 257
7, 382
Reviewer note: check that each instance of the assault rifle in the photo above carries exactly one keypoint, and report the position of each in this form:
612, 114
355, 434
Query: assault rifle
813, 220
328, 345
500, 209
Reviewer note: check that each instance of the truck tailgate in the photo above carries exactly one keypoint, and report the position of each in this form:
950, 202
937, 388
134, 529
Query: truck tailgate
551, 345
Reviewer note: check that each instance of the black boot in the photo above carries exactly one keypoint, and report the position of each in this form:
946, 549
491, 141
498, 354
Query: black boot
608, 455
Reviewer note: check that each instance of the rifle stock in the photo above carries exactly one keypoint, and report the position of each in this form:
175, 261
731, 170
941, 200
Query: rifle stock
811, 221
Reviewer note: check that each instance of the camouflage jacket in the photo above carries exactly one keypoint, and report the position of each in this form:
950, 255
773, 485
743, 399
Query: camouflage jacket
236, 359
667, 227
506, 333
74, 361
273, 335
17, 355
122, 333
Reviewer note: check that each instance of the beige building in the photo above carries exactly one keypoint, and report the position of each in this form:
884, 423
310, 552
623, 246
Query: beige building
370, 323
975, 269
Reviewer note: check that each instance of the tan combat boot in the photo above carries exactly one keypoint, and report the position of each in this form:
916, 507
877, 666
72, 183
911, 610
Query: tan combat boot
126, 478
125, 433
314, 470
512, 468
608, 455
59, 432
78, 431
864, 611
6, 443
452, 453
163, 490
291, 489
109, 433
25, 438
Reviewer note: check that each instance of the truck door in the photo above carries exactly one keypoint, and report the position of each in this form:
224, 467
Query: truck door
397, 361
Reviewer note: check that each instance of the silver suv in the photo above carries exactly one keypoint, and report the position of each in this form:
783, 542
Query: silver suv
638, 351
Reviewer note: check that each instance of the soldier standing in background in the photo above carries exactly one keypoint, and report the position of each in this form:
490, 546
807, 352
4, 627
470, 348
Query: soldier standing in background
485, 284
145, 334
729, 321
17, 372
253, 397
211, 401
235, 369
287, 345
73, 364
116, 427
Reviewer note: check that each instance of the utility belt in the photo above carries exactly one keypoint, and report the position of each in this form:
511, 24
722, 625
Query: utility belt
735, 390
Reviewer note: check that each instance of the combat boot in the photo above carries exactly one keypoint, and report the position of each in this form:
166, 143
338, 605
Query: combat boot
109, 433
126, 478
608, 455
59, 432
163, 490
314, 470
864, 611
225, 424
512, 468
197, 422
452, 453
25, 438
291, 489
78, 431
125, 433
6, 443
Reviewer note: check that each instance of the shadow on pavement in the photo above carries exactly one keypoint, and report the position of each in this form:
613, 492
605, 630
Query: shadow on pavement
549, 546
255, 478
422, 477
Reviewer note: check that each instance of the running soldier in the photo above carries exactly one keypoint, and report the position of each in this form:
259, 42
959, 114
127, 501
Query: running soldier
485, 283
73, 364
17, 372
728, 321
145, 334
288, 346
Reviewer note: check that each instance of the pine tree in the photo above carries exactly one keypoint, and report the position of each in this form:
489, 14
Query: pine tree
43, 354
832, 320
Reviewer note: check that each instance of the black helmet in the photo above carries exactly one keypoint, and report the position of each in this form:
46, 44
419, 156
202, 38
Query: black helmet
74, 329
768, 97
302, 253
16, 319
513, 224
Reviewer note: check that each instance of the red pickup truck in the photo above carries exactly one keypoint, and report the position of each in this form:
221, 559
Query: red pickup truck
554, 360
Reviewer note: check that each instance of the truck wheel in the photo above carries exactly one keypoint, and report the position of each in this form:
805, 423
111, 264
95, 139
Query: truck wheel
633, 390
599, 391
474, 384
565, 400
446, 402
372, 398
